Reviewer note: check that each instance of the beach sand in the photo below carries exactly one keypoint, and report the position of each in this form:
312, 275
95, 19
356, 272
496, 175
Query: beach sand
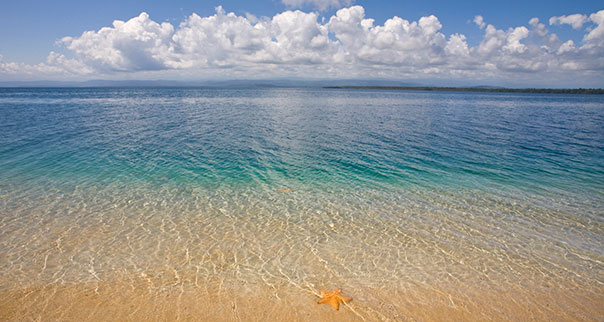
149, 299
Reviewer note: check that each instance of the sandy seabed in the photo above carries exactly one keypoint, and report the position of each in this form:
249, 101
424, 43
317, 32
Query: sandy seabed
107, 259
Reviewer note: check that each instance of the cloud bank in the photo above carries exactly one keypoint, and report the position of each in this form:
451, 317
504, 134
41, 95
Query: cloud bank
319, 4
347, 45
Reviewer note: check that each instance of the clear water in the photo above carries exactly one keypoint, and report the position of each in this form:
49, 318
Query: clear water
403, 190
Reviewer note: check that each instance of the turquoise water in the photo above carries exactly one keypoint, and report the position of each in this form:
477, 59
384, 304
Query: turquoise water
458, 182
214, 137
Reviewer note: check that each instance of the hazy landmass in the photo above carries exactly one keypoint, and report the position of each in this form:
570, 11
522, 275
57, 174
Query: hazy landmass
206, 83
482, 89
329, 83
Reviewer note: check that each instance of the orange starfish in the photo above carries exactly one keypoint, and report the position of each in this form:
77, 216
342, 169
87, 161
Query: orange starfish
284, 190
334, 298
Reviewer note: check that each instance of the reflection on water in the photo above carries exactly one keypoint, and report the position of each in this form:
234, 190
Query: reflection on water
419, 205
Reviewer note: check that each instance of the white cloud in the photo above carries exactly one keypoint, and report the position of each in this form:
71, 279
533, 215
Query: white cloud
55, 65
138, 44
514, 37
457, 46
291, 37
479, 21
297, 43
538, 28
319, 4
596, 35
566, 47
576, 20
397, 42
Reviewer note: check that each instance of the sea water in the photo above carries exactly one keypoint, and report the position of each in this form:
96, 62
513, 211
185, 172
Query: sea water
410, 201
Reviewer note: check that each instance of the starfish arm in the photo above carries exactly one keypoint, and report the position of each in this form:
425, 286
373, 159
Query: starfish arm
334, 303
345, 299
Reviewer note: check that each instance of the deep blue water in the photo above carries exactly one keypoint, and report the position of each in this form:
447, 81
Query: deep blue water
212, 137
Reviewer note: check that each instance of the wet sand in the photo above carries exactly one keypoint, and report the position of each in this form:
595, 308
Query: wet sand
149, 299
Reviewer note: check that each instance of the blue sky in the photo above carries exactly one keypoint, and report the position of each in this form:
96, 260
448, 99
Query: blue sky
32, 43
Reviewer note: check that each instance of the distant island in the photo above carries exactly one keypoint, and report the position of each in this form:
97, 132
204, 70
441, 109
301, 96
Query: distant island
481, 89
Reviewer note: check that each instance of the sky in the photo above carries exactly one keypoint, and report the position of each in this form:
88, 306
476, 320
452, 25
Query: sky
501, 43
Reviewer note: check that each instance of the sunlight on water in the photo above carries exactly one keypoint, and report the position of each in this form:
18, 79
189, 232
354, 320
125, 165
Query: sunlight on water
419, 205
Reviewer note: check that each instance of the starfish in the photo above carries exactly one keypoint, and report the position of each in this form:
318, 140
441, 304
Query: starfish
334, 298
284, 190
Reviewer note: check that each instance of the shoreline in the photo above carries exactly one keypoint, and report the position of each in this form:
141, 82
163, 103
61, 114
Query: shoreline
139, 299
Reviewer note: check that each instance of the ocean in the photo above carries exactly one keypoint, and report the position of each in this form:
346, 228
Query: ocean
246, 203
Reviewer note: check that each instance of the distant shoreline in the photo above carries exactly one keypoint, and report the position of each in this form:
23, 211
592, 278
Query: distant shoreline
480, 89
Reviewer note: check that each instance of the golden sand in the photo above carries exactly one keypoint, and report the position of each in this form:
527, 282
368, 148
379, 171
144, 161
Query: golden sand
141, 300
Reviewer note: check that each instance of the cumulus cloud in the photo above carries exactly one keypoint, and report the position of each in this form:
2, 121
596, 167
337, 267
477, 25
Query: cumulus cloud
479, 21
596, 35
319, 4
137, 44
225, 39
576, 20
55, 65
398, 42
348, 44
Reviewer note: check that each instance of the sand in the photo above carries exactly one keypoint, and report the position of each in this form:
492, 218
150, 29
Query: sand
147, 299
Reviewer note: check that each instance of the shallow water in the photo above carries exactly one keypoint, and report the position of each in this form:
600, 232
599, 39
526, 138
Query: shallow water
419, 205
